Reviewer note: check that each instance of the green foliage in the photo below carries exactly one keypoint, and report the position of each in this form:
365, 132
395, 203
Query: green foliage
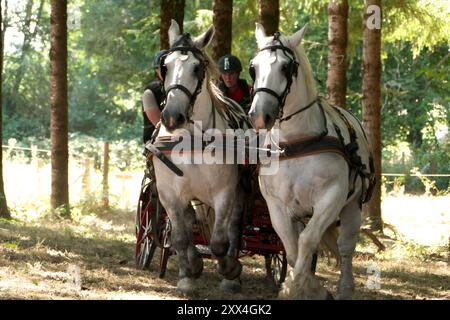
111, 52
63, 211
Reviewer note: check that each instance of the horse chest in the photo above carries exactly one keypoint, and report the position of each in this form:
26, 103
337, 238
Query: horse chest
297, 186
295, 193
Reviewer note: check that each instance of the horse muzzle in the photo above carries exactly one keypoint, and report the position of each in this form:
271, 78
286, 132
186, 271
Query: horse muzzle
172, 120
262, 120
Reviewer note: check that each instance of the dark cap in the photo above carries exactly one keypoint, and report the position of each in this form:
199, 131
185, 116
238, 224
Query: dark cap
157, 58
229, 63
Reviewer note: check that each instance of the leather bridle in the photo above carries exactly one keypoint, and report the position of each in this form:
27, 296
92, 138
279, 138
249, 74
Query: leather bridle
200, 72
291, 71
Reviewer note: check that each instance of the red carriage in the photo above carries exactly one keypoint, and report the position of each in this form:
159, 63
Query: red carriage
153, 230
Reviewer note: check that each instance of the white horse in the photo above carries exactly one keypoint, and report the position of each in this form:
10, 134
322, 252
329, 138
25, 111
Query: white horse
320, 183
191, 97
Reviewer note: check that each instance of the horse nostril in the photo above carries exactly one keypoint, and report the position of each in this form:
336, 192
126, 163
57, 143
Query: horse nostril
180, 118
267, 118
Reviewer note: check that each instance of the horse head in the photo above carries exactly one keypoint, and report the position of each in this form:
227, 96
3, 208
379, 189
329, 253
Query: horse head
183, 70
273, 70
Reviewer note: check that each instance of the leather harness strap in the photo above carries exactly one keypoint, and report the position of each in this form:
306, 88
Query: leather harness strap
324, 143
310, 146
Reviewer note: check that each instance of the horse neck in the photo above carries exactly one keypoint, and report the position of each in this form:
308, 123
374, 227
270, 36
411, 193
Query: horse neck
204, 108
306, 123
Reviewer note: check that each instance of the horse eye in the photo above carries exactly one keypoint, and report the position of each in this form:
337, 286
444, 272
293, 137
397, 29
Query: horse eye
284, 67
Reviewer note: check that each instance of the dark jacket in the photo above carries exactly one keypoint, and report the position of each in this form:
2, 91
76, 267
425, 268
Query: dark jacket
156, 87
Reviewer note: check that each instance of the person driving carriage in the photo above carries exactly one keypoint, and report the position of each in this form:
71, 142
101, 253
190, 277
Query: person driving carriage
152, 99
230, 84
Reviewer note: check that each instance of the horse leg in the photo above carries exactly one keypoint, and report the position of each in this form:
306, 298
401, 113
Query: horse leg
235, 224
288, 232
286, 229
181, 241
303, 284
234, 236
350, 224
228, 266
194, 257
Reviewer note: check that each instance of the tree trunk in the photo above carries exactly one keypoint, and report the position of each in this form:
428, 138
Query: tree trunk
165, 16
372, 105
5, 21
337, 48
269, 15
222, 20
170, 9
59, 106
4, 212
178, 12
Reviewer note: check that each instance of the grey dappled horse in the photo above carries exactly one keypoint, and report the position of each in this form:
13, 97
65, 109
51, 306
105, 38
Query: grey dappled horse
286, 102
191, 97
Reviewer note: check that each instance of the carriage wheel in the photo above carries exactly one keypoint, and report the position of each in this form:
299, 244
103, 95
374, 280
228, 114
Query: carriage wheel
276, 267
165, 254
147, 216
314, 263
165, 250
144, 253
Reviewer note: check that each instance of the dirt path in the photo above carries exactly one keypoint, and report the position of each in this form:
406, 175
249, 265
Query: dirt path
40, 260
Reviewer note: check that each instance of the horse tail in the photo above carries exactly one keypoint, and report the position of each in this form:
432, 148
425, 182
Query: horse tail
329, 243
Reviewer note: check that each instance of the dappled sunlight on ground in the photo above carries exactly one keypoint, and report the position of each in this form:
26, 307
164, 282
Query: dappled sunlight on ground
92, 257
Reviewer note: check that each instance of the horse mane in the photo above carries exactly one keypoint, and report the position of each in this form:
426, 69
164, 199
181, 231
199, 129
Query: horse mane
305, 65
212, 79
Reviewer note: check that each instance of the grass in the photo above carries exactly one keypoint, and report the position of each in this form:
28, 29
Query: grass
41, 252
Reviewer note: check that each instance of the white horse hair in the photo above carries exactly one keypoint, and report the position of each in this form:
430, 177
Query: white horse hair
216, 185
316, 185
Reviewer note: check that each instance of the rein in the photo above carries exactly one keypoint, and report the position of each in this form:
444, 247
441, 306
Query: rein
310, 145
300, 110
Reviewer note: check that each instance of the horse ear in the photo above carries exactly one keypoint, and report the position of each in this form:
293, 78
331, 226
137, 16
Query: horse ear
204, 39
174, 32
260, 34
297, 37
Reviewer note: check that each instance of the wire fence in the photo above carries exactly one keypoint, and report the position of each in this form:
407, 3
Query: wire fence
28, 181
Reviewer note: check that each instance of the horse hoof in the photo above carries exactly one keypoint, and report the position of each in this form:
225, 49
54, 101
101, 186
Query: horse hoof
198, 273
186, 286
230, 286
329, 296
233, 274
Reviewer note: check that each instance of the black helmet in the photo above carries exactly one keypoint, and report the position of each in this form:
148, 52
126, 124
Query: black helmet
157, 58
229, 63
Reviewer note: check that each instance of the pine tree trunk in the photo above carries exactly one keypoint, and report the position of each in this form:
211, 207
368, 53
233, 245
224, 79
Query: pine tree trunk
165, 16
178, 12
269, 15
170, 9
222, 20
4, 212
372, 108
337, 51
59, 106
